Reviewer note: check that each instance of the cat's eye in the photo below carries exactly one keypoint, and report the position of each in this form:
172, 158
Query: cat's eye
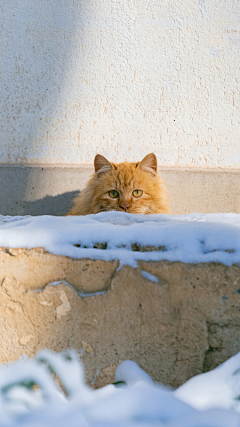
113, 193
137, 193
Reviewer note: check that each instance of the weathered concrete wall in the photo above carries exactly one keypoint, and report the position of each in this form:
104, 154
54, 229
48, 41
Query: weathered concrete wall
185, 324
120, 78
50, 190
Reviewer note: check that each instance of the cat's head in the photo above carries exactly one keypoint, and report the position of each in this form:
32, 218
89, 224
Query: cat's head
129, 187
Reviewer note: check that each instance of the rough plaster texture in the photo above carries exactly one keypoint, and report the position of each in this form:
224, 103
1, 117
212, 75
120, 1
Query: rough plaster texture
120, 78
49, 190
185, 324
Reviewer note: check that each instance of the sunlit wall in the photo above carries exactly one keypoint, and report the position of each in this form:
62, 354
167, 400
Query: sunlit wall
121, 78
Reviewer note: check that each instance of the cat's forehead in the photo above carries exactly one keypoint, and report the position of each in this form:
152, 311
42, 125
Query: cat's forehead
126, 176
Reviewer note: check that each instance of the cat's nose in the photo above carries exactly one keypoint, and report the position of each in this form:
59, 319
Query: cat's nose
124, 206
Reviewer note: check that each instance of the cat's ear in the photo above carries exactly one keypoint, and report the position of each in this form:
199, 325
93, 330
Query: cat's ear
149, 164
101, 164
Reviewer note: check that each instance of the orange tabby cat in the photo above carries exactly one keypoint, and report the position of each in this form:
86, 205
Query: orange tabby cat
130, 187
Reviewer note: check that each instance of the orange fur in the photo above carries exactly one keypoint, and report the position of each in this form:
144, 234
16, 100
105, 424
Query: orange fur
124, 178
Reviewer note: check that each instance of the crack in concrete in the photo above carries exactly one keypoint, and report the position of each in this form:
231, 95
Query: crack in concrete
8, 251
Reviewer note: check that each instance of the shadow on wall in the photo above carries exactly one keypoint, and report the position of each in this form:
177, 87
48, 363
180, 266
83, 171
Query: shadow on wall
29, 190
38, 191
39, 47
49, 205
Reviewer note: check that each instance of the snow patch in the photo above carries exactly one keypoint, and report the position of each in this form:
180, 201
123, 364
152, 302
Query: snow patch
135, 401
129, 238
149, 276
81, 294
219, 388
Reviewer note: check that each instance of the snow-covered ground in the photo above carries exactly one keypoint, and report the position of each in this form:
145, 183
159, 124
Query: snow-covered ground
189, 238
30, 397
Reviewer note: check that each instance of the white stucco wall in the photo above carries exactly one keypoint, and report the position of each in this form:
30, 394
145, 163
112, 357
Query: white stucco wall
122, 78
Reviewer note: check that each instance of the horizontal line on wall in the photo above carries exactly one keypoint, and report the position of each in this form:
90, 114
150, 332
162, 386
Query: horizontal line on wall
90, 166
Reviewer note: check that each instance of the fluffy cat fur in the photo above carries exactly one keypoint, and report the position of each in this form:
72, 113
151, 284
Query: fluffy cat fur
123, 179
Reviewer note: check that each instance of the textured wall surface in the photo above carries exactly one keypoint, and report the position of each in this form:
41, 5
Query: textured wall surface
120, 78
183, 325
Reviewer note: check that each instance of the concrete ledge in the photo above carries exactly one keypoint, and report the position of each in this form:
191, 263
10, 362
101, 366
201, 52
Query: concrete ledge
182, 313
50, 190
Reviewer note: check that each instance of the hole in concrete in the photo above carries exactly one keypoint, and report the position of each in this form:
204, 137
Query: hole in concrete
96, 246
138, 248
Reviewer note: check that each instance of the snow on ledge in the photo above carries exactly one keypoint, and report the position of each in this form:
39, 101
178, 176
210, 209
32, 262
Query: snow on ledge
191, 238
